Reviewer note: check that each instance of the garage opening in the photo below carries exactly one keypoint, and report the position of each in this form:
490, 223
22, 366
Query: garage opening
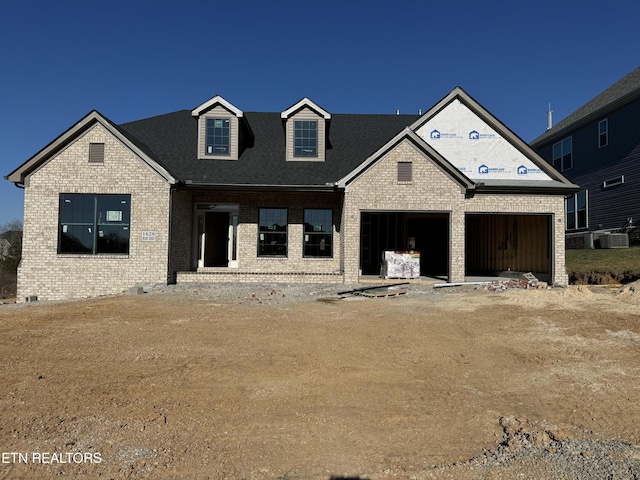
427, 233
506, 245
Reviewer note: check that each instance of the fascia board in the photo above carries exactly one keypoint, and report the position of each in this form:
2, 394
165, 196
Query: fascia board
305, 102
43, 156
216, 100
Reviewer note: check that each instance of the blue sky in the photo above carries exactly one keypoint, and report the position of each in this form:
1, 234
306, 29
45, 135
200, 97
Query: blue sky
140, 58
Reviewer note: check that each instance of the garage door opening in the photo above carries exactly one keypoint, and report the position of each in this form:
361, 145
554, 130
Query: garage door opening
507, 245
427, 233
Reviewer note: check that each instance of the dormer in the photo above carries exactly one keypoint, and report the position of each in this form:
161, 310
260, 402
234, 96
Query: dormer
219, 125
306, 127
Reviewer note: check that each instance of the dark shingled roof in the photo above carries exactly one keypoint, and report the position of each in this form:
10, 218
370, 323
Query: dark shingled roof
171, 140
621, 92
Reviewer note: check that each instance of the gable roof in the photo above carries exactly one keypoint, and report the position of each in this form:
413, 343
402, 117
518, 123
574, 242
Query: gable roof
217, 100
305, 102
411, 136
620, 93
94, 117
169, 144
458, 94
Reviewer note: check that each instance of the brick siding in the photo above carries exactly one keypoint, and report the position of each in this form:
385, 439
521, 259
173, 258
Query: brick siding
432, 190
50, 276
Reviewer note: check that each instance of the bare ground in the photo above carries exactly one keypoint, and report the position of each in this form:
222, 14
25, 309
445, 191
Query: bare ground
291, 382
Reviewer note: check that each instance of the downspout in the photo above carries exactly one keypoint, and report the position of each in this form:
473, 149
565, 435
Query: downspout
169, 234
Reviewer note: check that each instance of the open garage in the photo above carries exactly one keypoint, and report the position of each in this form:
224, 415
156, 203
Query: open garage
498, 244
425, 232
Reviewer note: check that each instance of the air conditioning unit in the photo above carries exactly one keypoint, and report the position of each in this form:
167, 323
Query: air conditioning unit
614, 240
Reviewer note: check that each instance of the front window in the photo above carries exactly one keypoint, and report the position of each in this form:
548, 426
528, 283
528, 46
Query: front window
272, 232
305, 136
603, 133
318, 232
563, 155
94, 224
576, 211
218, 135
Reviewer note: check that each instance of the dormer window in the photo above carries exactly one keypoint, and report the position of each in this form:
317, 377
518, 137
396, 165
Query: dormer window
218, 136
306, 127
219, 127
305, 133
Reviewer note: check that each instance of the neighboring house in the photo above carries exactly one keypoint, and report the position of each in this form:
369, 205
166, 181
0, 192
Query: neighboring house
217, 194
598, 148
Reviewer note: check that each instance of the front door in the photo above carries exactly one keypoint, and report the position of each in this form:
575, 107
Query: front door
216, 239
215, 235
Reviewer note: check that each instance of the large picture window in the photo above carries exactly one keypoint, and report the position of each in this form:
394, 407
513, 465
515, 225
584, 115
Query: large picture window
272, 232
563, 155
94, 224
318, 232
576, 211
305, 138
218, 136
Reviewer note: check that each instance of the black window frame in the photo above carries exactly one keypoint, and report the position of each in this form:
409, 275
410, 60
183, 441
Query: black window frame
305, 138
317, 235
562, 154
94, 224
273, 232
217, 137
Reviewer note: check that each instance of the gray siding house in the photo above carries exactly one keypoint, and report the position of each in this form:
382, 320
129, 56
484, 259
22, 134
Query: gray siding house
598, 148
217, 194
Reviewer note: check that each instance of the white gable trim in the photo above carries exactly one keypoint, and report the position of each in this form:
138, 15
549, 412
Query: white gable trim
305, 102
43, 156
217, 100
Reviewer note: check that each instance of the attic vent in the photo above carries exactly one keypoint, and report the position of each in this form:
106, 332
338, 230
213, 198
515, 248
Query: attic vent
96, 153
405, 172
613, 181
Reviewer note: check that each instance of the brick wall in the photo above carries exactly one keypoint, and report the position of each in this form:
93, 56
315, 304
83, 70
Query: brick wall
50, 276
431, 190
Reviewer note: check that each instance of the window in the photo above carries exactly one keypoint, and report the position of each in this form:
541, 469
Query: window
603, 133
94, 224
318, 232
272, 232
563, 155
96, 153
305, 138
576, 210
405, 172
218, 135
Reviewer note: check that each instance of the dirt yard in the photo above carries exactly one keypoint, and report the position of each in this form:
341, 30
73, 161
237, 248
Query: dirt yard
285, 382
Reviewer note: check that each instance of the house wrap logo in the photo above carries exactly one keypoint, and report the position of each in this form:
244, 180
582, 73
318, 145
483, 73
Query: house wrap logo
522, 170
485, 170
437, 134
475, 135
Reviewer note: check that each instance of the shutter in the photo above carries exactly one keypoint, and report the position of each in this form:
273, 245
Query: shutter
96, 153
405, 171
